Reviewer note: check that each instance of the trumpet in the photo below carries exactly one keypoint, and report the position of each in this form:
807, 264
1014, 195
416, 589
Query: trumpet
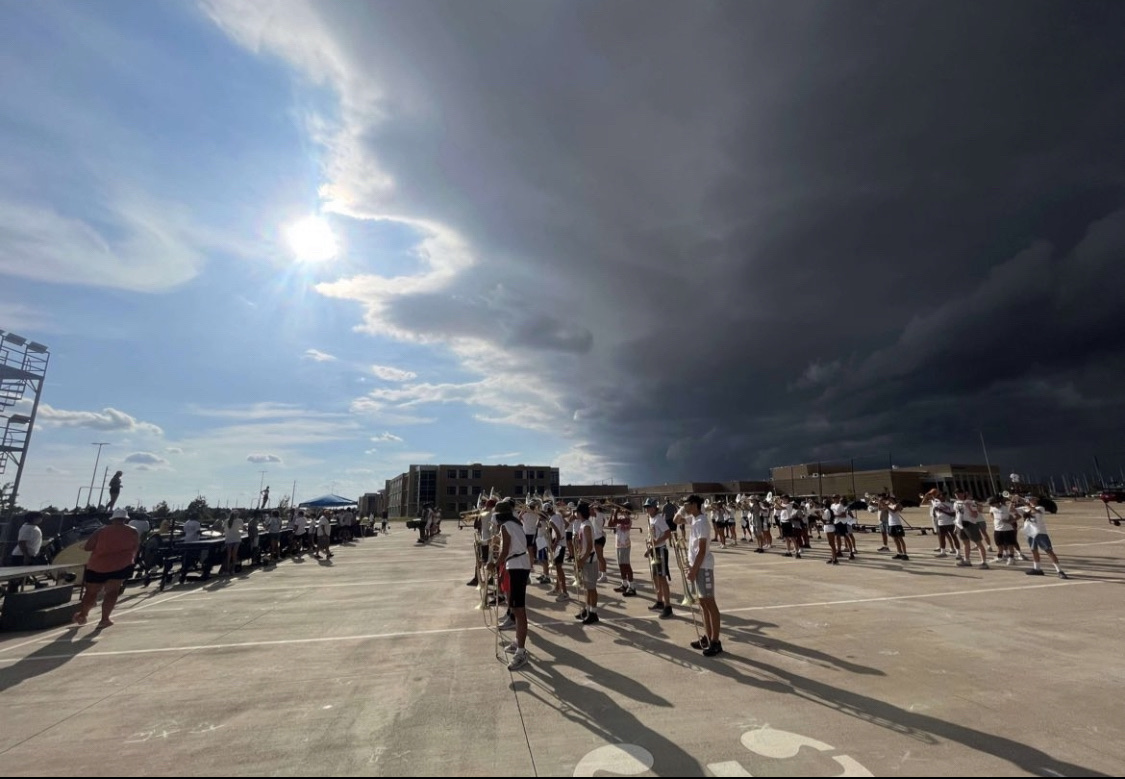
679, 546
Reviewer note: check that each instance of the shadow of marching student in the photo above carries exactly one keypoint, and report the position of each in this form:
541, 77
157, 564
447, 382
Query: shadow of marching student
60, 651
752, 632
554, 684
922, 727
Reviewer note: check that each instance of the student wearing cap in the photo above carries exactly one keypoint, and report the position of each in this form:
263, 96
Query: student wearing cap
560, 538
702, 573
659, 533
29, 545
588, 561
113, 549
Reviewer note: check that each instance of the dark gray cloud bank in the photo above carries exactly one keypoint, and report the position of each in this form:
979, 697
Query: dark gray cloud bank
740, 234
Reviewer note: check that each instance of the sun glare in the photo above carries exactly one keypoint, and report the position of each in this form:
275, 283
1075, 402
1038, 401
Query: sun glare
311, 239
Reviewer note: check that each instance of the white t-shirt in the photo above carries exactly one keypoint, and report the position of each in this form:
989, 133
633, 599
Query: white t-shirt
324, 526
787, 512
518, 558
529, 520
33, 536
559, 524
1001, 518
622, 530
192, 530
839, 512
659, 526
967, 512
1034, 522
943, 512
273, 524
698, 534
233, 530
894, 518
541, 541
597, 522
300, 525
141, 526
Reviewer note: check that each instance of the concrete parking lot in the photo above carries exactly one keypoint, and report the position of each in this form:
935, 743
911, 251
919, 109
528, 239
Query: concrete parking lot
378, 664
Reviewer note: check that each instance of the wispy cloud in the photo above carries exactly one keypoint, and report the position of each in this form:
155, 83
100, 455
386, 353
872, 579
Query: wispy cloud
57, 471
263, 458
108, 419
386, 437
502, 455
318, 356
173, 450
388, 373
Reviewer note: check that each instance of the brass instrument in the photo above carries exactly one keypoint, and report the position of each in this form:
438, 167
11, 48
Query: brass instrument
679, 546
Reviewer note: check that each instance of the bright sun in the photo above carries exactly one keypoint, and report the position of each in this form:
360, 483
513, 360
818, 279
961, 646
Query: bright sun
311, 239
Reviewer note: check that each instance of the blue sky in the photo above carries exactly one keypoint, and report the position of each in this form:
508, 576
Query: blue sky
151, 166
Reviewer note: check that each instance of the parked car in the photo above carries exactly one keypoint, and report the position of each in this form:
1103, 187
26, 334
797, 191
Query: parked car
1113, 496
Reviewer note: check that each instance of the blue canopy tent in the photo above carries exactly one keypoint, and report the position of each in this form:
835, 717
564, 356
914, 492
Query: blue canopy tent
327, 502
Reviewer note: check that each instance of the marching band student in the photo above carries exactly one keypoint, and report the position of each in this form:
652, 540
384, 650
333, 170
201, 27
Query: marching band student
482, 537
560, 538
541, 545
836, 527
1003, 530
702, 573
895, 527
788, 532
800, 526
273, 528
945, 517
529, 518
622, 523
849, 531
586, 547
762, 525
1035, 527
745, 522
515, 554
882, 509
597, 524
659, 533
967, 512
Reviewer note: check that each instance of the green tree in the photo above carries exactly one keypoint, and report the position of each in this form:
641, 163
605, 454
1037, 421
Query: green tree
161, 510
199, 509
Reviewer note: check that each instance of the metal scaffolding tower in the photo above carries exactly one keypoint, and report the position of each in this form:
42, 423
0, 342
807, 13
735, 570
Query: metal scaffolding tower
23, 368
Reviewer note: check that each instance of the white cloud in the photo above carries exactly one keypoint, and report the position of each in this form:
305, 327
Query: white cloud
318, 356
386, 437
387, 373
109, 419
263, 458
173, 450
146, 458
145, 249
57, 471
256, 411
502, 456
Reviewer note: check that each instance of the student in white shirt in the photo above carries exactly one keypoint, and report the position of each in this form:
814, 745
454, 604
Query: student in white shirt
659, 534
323, 536
1003, 530
597, 523
585, 545
1035, 527
558, 539
29, 545
836, 528
273, 528
702, 573
232, 531
516, 555
967, 512
622, 523
895, 528
788, 531
193, 530
945, 518
300, 532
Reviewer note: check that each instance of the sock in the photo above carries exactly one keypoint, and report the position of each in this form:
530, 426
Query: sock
592, 609
1035, 565
1057, 569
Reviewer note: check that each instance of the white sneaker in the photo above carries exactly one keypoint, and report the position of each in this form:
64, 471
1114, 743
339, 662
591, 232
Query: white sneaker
603, 579
519, 660
562, 596
508, 624
512, 648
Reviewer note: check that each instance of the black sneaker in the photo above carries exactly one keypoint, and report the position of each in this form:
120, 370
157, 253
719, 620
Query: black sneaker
798, 555
629, 593
713, 649
701, 643
1036, 572
591, 618
851, 555
788, 554
658, 606
759, 550
1062, 575
905, 557
581, 615
832, 561
667, 613
472, 583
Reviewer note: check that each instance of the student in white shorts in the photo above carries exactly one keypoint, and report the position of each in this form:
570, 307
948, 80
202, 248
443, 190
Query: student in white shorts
702, 573
622, 523
895, 529
586, 550
516, 555
1003, 530
659, 534
1035, 527
559, 542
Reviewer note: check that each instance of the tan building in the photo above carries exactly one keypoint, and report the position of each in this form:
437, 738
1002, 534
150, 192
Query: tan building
906, 483
455, 488
372, 504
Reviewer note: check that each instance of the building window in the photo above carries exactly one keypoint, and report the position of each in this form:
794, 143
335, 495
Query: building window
464, 506
517, 490
517, 474
451, 474
450, 506
451, 490
539, 475
476, 489
463, 474
463, 489
476, 473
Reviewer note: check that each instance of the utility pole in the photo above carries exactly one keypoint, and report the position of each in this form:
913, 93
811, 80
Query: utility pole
94, 475
101, 493
261, 482
988, 465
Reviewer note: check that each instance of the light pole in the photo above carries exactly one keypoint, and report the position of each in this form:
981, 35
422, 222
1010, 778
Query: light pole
93, 475
261, 482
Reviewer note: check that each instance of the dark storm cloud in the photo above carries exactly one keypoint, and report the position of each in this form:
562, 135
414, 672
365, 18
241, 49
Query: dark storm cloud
774, 232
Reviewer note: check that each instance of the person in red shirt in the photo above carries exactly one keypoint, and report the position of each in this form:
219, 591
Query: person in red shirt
113, 549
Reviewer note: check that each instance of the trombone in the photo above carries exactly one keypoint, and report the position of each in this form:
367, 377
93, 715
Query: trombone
679, 546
